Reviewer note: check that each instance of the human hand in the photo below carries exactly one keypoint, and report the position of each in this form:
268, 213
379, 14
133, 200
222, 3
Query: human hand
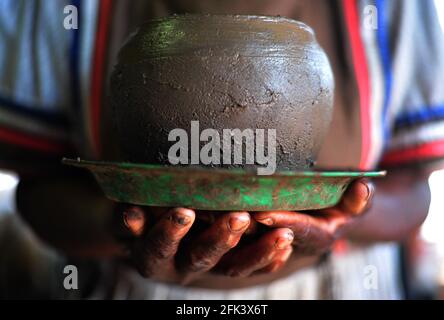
170, 245
166, 247
316, 231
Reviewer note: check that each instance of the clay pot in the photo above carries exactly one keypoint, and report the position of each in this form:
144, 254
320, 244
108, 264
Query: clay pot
226, 71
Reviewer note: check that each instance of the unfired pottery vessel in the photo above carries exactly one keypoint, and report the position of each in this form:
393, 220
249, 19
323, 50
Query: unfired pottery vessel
226, 72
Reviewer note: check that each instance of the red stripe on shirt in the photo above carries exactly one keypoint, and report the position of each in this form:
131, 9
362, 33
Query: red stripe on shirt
362, 76
98, 71
422, 152
32, 142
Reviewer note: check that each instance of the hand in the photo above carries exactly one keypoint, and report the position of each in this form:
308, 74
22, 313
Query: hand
170, 245
167, 248
315, 232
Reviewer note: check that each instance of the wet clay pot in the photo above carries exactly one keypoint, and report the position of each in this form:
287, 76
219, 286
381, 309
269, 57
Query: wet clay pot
246, 72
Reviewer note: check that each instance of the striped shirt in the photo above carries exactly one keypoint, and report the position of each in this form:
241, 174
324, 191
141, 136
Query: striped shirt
388, 62
51, 80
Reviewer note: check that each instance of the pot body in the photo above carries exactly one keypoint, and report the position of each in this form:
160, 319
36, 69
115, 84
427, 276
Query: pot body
226, 72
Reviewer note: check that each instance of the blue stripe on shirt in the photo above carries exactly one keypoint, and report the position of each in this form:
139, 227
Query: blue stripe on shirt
420, 116
384, 51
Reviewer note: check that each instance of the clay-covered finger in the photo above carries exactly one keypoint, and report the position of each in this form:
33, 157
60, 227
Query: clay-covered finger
206, 250
255, 256
312, 234
357, 197
209, 217
154, 253
134, 219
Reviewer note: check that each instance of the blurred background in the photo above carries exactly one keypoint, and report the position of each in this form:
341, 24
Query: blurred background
8, 184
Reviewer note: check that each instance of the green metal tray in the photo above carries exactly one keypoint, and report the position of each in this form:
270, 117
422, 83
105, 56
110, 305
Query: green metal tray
219, 189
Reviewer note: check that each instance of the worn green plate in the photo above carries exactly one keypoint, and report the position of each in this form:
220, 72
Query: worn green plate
219, 189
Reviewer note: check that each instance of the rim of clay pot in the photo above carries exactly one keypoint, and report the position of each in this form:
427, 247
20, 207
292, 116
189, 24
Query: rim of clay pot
248, 35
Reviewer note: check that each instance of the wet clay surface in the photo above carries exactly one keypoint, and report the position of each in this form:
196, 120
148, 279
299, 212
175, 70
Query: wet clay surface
227, 72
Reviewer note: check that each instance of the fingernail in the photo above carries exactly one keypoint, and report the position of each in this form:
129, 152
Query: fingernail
181, 220
239, 222
266, 221
285, 240
368, 188
134, 220
132, 214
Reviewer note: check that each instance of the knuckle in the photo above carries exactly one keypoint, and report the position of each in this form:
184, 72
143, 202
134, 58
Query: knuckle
218, 247
161, 247
199, 263
161, 253
205, 258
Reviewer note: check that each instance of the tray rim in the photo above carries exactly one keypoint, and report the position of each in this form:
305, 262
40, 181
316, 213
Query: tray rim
233, 172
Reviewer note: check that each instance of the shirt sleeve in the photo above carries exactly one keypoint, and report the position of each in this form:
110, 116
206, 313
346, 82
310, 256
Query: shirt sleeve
35, 92
50, 79
415, 108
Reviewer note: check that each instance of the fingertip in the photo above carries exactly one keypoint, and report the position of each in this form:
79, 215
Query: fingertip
267, 217
264, 218
134, 219
275, 218
358, 196
182, 217
238, 221
363, 189
284, 238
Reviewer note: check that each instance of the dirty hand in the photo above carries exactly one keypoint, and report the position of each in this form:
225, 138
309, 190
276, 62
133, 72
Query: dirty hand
168, 248
170, 245
315, 232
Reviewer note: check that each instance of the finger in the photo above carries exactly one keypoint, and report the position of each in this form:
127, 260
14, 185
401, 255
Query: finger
312, 234
279, 261
154, 253
134, 220
357, 197
244, 261
209, 217
206, 250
